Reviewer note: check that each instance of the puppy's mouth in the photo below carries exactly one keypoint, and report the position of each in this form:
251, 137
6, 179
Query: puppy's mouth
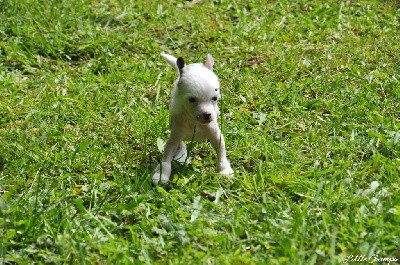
204, 118
205, 122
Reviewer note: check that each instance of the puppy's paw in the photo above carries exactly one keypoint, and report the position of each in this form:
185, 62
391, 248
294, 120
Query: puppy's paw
226, 172
225, 169
161, 173
182, 158
181, 155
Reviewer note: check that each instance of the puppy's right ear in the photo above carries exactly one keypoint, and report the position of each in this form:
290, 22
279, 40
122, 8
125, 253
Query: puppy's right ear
180, 63
209, 62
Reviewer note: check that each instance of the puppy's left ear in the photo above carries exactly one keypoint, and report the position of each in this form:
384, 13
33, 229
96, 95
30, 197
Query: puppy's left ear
209, 62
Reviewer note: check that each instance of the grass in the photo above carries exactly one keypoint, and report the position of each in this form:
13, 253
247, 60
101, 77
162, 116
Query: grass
310, 114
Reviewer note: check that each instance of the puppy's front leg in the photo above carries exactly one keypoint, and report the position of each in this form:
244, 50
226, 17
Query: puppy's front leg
163, 170
217, 141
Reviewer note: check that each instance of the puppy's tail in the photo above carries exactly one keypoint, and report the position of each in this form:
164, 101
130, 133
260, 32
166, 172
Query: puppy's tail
172, 61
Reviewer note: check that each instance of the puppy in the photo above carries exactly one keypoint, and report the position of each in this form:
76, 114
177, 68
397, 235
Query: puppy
193, 115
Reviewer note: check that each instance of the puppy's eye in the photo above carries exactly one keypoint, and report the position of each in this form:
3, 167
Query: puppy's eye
192, 99
215, 98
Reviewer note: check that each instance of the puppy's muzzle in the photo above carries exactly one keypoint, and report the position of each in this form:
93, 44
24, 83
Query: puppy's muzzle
205, 117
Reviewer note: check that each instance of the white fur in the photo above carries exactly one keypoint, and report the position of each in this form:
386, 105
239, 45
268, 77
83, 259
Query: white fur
193, 115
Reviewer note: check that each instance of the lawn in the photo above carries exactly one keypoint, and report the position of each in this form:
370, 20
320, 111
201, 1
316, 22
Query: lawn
310, 114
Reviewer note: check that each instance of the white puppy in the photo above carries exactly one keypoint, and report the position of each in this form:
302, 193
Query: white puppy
193, 115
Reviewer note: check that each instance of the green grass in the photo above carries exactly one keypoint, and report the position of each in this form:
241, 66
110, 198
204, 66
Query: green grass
311, 116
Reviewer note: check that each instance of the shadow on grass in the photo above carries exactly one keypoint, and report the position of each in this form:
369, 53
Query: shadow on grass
3, 163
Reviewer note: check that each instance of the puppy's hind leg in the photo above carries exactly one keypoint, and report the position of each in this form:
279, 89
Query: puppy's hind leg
181, 154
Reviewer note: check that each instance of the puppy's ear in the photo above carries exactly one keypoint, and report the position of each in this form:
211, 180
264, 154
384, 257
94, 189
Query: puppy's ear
180, 63
209, 62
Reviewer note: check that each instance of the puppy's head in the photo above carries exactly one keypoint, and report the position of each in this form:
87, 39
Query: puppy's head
198, 90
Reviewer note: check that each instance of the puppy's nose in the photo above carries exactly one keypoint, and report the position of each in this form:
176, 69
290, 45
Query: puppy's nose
207, 116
